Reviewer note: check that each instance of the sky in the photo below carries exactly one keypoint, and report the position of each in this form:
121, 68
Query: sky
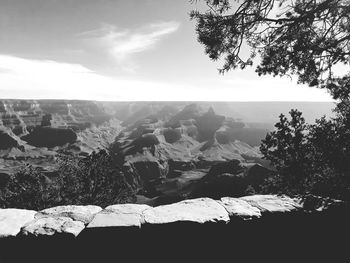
121, 50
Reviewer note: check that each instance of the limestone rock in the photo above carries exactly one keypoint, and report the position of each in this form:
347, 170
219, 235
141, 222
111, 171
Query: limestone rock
76, 212
122, 215
48, 226
12, 220
199, 210
272, 203
239, 208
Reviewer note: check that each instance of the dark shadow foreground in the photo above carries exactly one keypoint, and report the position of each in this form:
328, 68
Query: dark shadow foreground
298, 237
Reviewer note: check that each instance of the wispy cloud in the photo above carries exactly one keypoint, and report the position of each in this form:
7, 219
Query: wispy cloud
121, 44
39, 79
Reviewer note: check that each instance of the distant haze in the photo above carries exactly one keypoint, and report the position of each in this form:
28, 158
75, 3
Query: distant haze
265, 113
269, 111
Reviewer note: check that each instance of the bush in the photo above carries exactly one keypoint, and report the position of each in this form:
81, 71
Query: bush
28, 188
309, 158
94, 180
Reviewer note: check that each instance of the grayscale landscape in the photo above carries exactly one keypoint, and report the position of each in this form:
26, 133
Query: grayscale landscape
186, 131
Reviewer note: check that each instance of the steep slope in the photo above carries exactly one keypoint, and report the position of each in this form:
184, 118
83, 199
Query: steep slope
152, 151
34, 131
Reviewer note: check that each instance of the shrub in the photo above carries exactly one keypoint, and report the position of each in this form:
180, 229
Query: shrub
309, 158
28, 188
94, 180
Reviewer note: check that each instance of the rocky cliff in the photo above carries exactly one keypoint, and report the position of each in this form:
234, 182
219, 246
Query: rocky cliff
34, 131
163, 149
166, 154
250, 228
22, 116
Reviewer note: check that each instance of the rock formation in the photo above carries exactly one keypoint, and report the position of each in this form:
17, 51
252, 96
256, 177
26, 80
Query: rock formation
200, 210
248, 228
12, 220
153, 150
48, 226
76, 212
36, 130
125, 215
73, 219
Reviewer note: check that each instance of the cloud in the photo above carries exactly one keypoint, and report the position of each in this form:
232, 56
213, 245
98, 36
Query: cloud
121, 44
42, 79
46, 79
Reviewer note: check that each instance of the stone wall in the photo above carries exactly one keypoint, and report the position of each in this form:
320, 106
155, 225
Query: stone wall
251, 227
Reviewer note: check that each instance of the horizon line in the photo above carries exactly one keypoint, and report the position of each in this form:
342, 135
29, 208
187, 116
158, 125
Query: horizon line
194, 101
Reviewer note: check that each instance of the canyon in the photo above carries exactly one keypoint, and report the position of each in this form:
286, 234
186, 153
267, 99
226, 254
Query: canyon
166, 150
194, 171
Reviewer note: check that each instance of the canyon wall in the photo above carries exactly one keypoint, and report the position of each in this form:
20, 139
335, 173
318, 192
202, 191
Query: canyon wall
35, 131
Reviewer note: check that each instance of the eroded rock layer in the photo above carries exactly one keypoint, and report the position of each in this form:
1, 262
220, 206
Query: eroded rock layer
34, 131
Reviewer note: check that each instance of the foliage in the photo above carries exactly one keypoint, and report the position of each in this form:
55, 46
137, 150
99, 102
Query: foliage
331, 142
29, 188
250, 190
308, 39
309, 158
302, 37
93, 180
287, 149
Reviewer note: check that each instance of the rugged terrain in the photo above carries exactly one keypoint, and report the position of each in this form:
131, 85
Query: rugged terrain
167, 154
36, 131
167, 150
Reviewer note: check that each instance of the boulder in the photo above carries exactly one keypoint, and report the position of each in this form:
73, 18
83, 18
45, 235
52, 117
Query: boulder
49, 226
239, 208
201, 210
122, 215
273, 203
12, 220
76, 212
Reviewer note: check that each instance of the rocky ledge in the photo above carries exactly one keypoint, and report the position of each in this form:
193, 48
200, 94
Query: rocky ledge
249, 228
73, 219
